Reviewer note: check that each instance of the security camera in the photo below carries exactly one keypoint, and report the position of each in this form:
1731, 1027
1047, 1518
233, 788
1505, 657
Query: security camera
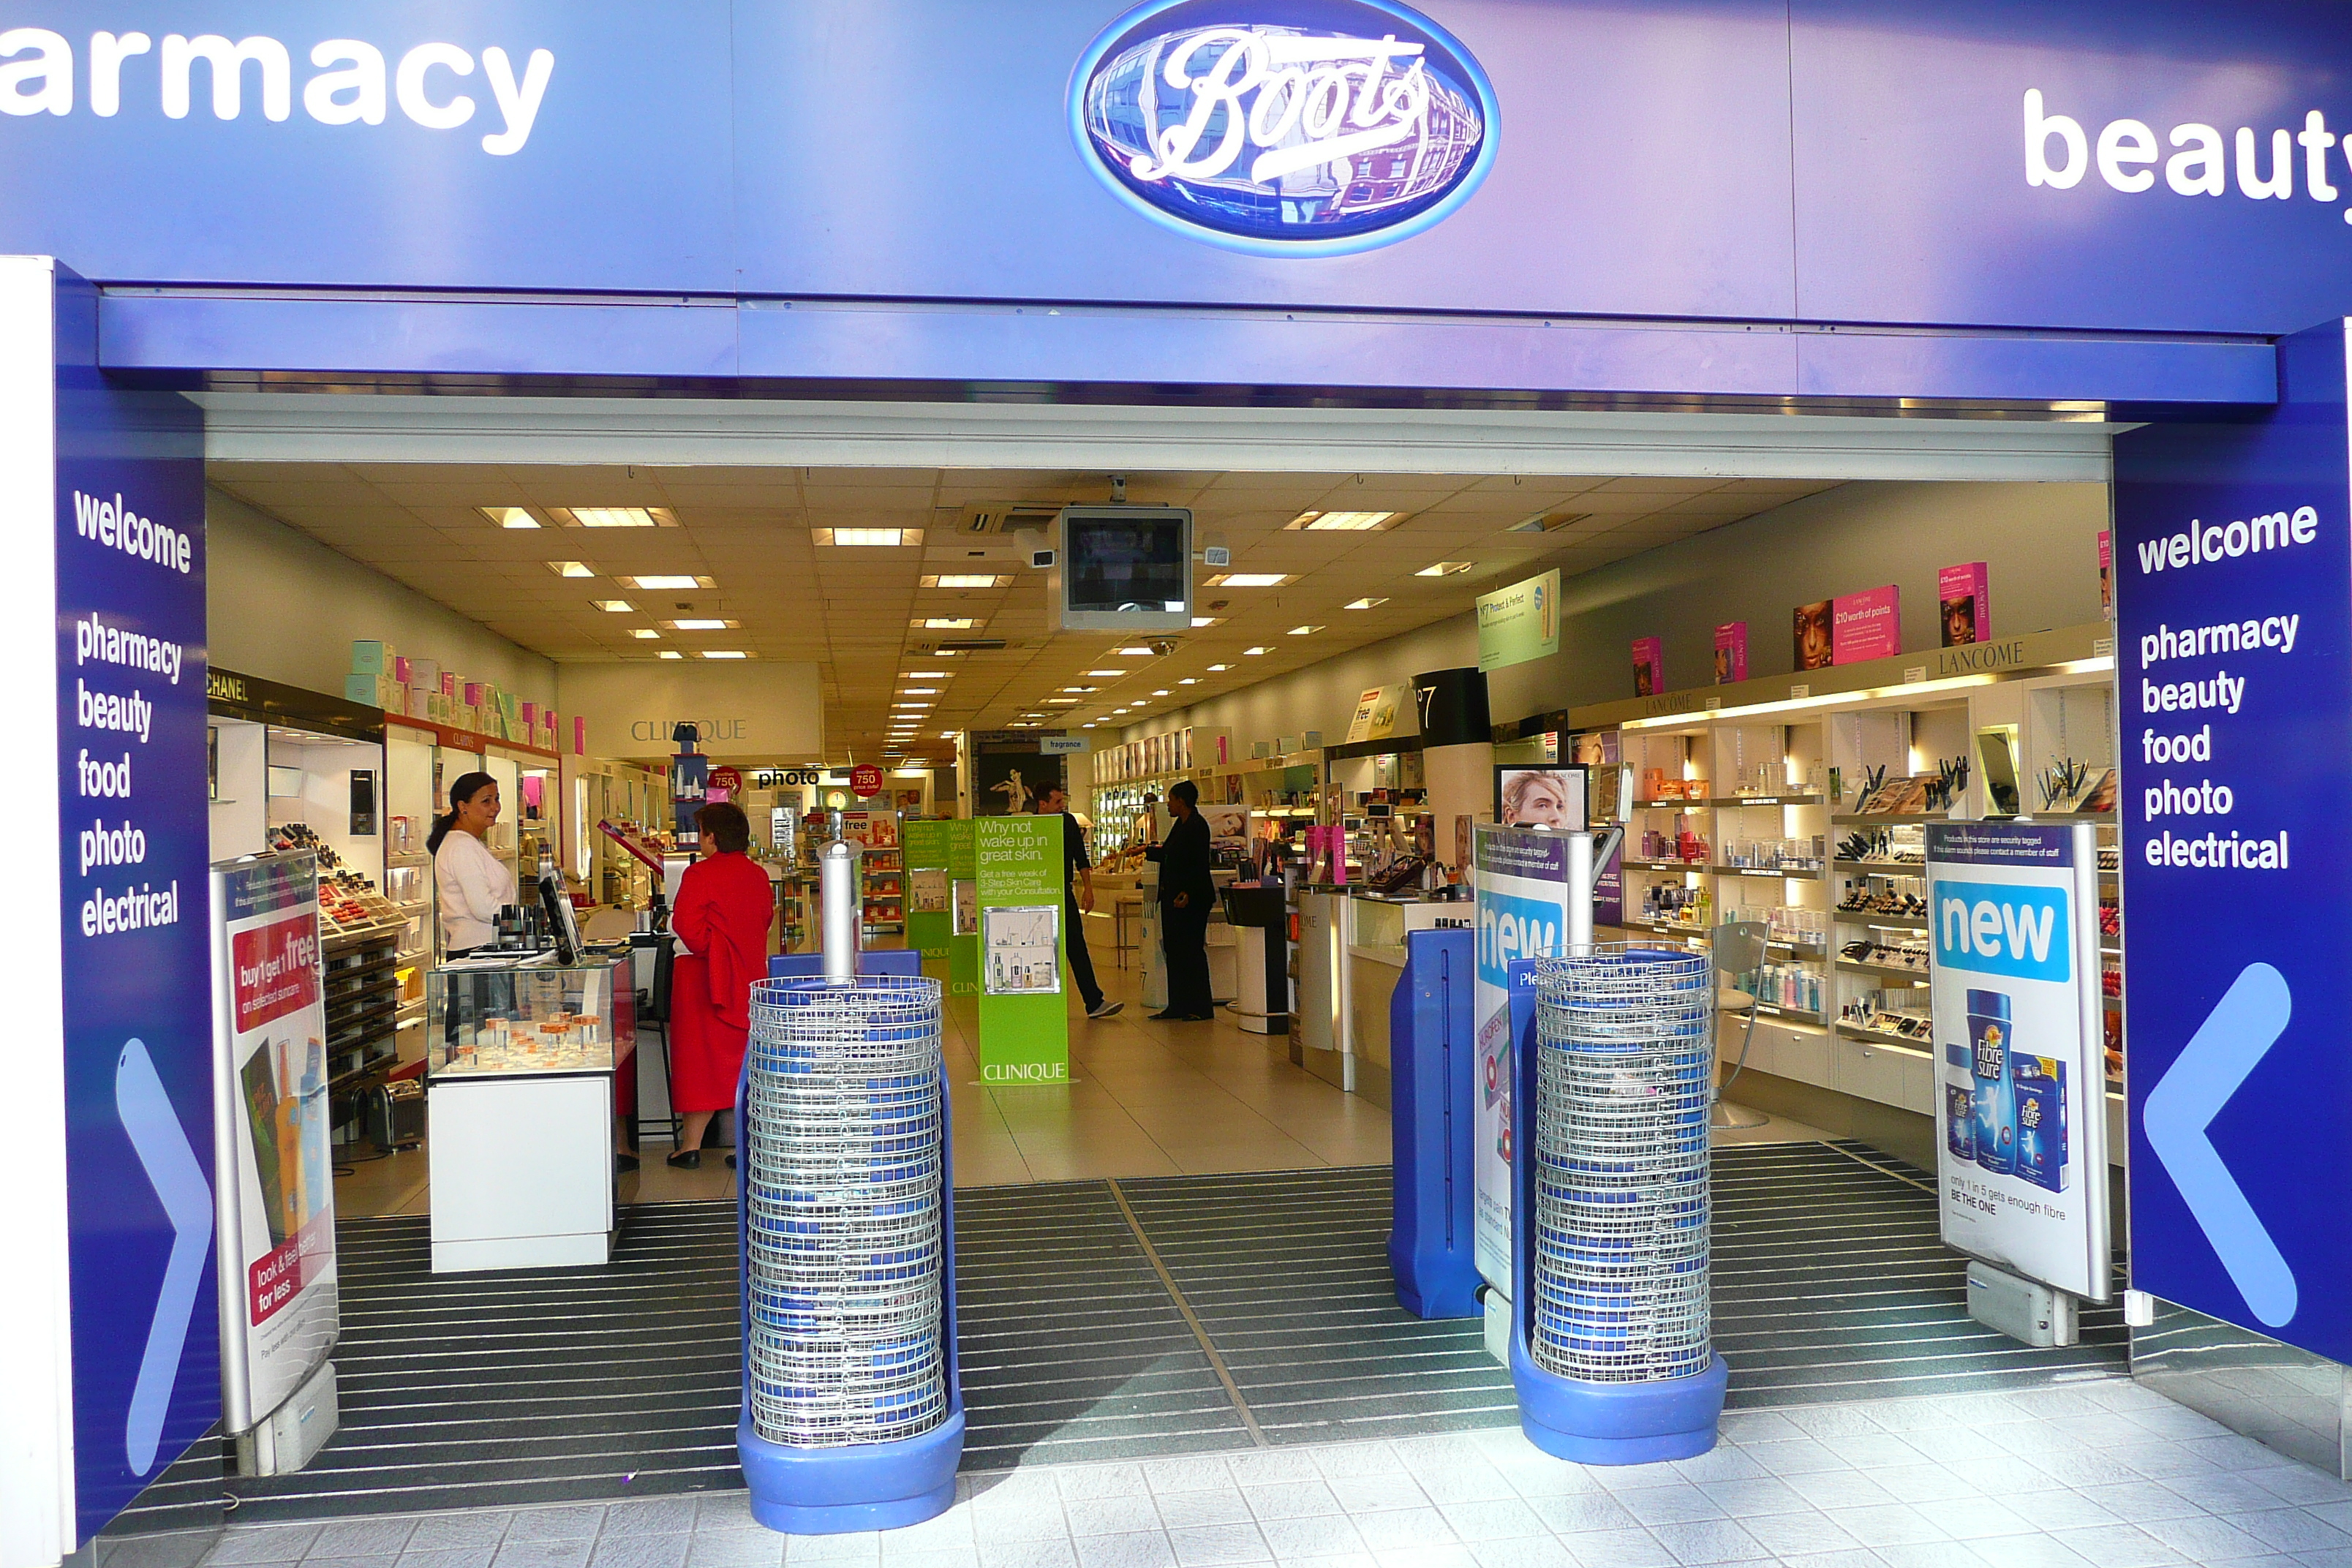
1032, 541
1163, 647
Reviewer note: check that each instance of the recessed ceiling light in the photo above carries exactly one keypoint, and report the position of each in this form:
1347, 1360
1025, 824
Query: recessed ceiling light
701, 626
1061, 701
613, 607
1341, 521
1214, 668
724, 653
1081, 689
1444, 569
571, 569
1199, 621
916, 707
1110, 673
926, 675
669, 580
616, 516
1254, 652
1303, 631
510, 516
1163, 694
1193, 680
886, 537
1251, 579
947, 735
1087, 725
1130, 653
919, 691
965, 580
944, 624
644, 634
1364, 604
671, 653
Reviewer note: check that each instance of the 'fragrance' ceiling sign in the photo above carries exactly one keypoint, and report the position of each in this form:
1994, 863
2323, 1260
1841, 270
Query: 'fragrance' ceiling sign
1313, 130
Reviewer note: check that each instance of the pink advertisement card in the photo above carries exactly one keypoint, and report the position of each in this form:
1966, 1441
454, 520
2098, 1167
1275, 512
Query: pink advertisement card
1731, 652
1649, 665
1866, 625
1964, 604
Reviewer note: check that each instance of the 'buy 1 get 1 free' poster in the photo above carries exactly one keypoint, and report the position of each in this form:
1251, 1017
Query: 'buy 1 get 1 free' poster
2021, 1057
1522, 907
279, 1311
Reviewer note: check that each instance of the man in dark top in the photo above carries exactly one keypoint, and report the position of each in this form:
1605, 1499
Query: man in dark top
1186, 895
1076, 869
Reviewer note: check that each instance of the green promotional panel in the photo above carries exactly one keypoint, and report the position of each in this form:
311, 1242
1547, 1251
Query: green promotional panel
1025, 1021
963, 909
930, 914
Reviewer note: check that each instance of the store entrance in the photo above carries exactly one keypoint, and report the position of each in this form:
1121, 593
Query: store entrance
1179, 1249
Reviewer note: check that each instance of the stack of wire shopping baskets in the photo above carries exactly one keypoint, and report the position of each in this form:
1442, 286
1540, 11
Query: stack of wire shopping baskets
848, 1255
1615, 1231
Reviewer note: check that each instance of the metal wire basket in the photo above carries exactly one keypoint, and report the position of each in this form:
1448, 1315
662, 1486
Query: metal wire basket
843, 1187
1626, 1039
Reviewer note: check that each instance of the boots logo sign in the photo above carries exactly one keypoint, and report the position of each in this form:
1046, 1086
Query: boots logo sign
1319, 128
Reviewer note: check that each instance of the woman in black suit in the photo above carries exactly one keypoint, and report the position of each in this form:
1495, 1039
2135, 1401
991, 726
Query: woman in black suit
1186, 894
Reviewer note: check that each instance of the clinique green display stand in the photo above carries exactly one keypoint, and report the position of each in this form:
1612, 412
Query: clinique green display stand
1019, 881
929, 896
963, 910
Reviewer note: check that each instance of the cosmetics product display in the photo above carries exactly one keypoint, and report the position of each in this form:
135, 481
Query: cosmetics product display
1774, 854
524, 1018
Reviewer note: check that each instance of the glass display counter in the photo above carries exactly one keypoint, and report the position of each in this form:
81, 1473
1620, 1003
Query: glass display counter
529, 1068
502, 1018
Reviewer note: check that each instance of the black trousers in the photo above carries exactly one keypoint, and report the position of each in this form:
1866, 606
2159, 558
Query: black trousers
1184, 936
1082, 962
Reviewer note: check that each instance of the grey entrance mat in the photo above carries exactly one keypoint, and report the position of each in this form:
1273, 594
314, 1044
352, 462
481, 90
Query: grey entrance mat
1281, 1327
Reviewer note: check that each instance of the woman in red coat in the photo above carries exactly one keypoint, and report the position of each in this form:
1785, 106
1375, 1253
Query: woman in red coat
725, 903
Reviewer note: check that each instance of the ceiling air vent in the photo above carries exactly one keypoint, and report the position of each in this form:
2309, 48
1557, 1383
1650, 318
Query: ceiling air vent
1007, 517
1548, 522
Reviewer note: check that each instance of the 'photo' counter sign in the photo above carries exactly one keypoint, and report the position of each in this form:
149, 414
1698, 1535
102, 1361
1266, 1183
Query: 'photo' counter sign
2021, 1062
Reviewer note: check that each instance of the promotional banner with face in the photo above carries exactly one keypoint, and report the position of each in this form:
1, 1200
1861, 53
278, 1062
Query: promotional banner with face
1522, 904
2022, 1155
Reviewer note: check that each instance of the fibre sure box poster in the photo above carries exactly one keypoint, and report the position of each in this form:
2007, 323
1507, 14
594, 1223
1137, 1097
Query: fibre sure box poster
1522, 914
2021, 1069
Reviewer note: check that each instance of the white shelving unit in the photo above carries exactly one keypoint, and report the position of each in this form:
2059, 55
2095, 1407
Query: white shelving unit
1727, 815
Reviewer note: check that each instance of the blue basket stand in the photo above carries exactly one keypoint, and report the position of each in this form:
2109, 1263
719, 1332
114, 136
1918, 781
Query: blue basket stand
1588, 1422
857, 1487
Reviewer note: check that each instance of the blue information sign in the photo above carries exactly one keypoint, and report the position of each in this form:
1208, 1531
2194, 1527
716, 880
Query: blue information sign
132, 905
2233, 577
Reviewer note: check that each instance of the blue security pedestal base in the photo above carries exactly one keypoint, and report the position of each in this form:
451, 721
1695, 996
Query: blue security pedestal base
1432, 1068
1619, 1422
844, 1491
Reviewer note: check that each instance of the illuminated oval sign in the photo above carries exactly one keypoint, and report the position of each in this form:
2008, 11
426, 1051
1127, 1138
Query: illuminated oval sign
1317, 128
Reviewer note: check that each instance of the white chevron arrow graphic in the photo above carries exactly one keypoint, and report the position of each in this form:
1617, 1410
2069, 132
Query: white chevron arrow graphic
178, 1178
2227, 1047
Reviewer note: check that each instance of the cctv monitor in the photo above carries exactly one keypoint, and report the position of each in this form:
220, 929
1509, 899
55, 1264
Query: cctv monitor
1126, 569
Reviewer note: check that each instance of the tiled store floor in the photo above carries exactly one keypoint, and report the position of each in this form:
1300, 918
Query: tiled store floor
2105, 1474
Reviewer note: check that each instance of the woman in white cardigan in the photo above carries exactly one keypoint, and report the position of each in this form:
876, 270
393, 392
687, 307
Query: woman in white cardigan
470, 883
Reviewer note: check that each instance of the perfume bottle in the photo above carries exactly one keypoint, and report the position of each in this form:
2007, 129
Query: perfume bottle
318, 1177
293, 1172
